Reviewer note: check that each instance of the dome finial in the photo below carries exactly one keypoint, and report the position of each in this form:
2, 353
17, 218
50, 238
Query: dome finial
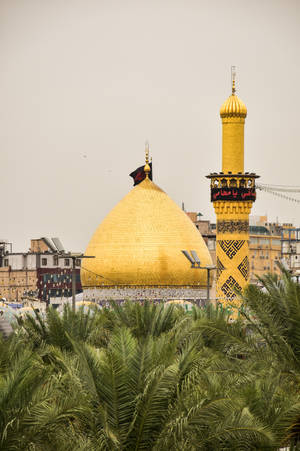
147, 168
233, 106
147, 151
233, 75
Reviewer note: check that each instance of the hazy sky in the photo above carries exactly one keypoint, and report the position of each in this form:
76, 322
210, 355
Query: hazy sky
84, 83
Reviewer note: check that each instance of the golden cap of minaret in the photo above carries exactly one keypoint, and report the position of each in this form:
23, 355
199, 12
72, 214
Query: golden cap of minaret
233, 106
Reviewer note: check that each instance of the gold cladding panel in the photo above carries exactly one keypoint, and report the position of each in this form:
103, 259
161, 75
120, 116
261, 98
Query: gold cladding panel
234, 268
233, 113
233, 107
140, 242
232, 262
233, 147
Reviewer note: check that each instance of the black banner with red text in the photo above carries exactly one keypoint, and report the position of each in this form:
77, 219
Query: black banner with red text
233, 194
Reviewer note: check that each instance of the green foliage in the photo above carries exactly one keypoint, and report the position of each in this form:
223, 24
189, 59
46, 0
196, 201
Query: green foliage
56, 329
147, 319
274, 315
149, 377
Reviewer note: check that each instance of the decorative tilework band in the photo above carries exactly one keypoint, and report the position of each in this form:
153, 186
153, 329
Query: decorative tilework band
230, 226
142, 293
243, 267
231, 247
230, 287
220, 267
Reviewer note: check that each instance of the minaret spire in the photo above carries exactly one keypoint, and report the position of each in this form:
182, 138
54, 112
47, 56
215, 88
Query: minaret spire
233, 75
147, 151
147, 168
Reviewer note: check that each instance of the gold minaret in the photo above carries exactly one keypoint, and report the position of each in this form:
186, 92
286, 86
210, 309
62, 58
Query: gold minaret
232, 194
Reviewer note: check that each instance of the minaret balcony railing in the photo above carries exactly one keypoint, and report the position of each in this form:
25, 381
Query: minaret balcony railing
232, 187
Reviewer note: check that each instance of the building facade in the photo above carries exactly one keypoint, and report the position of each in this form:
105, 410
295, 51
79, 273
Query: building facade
38, 273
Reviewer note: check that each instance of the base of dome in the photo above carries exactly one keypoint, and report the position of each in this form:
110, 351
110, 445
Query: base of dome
139, 294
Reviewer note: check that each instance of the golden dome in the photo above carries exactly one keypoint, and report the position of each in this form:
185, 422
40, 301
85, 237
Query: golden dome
139, 243
233, 107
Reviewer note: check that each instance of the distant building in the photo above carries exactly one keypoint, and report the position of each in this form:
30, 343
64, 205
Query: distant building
285, 238
290, 247
265, 251
38, 273
208, 232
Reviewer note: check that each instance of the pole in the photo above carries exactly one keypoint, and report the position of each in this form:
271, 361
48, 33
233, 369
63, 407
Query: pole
195, 264
208, 281
73, 283
74, 257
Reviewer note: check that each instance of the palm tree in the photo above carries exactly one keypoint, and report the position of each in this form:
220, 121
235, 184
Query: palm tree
35, 401
267, 341
147, 318
273, 313
56, 329
165, 393
146, 377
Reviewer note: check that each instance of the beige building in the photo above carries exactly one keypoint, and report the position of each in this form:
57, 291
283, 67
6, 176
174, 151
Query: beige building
265, 251
14, 283
18, 273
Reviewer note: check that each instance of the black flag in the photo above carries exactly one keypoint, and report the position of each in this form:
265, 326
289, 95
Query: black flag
139, 174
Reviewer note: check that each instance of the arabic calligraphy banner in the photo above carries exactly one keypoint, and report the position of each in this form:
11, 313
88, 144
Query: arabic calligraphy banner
233, 194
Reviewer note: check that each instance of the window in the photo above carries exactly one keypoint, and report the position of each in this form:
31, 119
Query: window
44, 262
55, 260
77, 262
67, 262
6, 263
264, 241
276, 242
211, 245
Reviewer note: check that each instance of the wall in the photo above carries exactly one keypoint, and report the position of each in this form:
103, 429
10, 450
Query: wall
265, 250
14, 283
38, 246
